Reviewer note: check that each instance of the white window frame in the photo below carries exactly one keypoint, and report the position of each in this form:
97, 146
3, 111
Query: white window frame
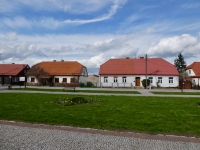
171, 80
115, 79
159, 79
105, 79
151, 79
123, 79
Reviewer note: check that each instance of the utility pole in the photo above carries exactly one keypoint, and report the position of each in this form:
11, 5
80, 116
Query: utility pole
146, 69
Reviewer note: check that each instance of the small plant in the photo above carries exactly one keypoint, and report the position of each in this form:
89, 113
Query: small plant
89, 84
74, 101
144, 82
198, 104
81, 84
157, 84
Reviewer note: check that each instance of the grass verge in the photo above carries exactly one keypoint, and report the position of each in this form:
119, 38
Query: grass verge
178, 116
177, 93
79, 91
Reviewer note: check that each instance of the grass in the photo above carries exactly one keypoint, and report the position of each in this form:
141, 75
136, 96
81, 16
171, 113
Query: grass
82, 91
177, 93
141, 114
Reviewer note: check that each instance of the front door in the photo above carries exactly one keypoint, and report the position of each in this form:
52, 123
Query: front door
137, 81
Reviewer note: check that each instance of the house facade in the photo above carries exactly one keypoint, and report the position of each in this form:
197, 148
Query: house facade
130, 72
13, 74
57, 73
193, 71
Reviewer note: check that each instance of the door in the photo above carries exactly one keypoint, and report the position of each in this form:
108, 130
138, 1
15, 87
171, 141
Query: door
137, 81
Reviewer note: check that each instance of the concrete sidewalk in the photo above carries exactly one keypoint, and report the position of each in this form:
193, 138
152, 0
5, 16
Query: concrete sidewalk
144, 92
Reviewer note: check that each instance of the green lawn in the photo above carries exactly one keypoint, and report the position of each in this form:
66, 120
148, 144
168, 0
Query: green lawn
177, 93
83, 91
141, 114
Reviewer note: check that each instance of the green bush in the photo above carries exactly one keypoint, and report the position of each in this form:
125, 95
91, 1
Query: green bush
89, 84
74, 101
144, 82
81, 84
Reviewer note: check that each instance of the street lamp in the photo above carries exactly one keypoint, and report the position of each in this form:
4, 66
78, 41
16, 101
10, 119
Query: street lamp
181, 78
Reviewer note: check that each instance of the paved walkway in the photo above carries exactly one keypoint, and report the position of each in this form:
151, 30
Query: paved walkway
144, 92
35, 137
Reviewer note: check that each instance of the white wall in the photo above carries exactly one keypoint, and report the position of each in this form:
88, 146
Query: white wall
83, 79
29, 79
61, 78
131, 81
191, 72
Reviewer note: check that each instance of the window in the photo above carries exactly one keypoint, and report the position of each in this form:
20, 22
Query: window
171, 80
64, 79
151, 79
56, 80
15, 79
189, 71
115, 79
105, 79
124, 79
32, 79
159, 79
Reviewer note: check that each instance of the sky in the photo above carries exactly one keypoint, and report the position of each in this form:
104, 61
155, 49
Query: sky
93, 31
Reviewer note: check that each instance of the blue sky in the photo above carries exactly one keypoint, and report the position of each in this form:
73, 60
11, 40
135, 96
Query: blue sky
93, 31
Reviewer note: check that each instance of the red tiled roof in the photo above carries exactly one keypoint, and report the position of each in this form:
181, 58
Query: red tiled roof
60, 68
195, 66
156, 66
11, 69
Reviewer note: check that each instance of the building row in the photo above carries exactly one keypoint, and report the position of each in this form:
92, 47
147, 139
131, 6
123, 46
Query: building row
119, 72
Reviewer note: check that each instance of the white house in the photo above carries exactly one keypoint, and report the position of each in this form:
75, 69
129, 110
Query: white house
129, 72
58, 73
193, 71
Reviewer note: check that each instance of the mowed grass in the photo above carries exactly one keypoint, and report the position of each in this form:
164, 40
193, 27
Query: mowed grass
82, 91
177, 93
180, 116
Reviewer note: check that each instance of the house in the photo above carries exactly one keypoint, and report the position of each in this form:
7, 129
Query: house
57, 73
193, 71
13, 74
129, 72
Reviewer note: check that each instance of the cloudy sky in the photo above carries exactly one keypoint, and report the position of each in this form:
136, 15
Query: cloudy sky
93, 31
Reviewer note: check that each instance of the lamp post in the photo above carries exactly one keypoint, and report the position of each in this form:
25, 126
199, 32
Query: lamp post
181, 78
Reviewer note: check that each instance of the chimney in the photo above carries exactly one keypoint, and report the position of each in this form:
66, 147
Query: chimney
141, 57
127, 57
54, 60
62, 60
13, 63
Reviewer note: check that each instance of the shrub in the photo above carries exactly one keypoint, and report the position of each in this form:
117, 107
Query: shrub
144, 82
74, 101
89, 84
81, 84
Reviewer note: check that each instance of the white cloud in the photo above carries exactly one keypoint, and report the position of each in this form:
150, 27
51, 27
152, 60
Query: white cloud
52, 23
72, 6
170, 46
91, 50
95, 61
128, 52
150, 30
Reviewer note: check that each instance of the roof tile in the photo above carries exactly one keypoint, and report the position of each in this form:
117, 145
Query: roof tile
155, 66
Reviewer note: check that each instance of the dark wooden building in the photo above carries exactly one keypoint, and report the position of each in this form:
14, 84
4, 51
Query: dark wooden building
13, 74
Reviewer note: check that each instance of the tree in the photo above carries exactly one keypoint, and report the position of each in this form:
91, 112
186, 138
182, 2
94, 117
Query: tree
144, 82
179, 63
184, 75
